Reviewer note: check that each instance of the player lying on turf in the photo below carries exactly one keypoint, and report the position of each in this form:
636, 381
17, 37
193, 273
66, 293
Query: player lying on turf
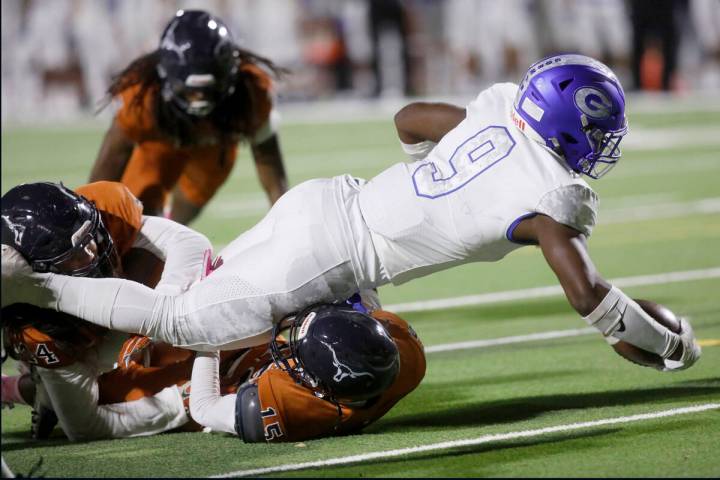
340, 370
503, 173
68, 354
83, 390
185, 107
97, 231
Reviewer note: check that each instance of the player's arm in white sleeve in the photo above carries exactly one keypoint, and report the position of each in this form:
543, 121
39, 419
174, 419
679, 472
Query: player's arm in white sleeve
183, 250
207, 406
74, 393
602, 305
421, 125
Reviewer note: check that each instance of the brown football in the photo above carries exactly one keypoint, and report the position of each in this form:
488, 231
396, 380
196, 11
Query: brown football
663, 316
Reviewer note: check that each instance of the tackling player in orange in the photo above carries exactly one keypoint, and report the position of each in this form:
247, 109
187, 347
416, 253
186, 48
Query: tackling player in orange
340, 369
275, 397
98, 230
185, 107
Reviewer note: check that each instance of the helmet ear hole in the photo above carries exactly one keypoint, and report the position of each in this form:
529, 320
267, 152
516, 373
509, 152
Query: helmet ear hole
564, 84
569, 138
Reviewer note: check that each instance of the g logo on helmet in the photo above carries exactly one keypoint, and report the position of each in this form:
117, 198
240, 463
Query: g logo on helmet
593, 103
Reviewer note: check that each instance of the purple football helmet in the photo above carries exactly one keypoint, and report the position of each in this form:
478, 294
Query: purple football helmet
574, 105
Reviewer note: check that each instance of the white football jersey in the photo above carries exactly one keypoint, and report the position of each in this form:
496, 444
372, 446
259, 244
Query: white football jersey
326, 239
462, 202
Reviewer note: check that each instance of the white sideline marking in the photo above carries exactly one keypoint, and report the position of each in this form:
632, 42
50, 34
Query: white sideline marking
550, 291
496, 437
448, 347
658, 211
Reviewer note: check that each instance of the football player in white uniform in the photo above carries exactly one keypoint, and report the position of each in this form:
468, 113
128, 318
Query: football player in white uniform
502, 173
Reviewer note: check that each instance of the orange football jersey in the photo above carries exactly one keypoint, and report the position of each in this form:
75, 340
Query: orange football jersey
158, 163
292, 412
120, 210
27, 343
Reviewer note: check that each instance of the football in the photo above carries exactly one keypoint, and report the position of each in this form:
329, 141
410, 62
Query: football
663, 316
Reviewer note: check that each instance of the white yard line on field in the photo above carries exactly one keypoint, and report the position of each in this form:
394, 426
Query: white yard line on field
469, 442
549, 291
492, 342
660, 210
658, 138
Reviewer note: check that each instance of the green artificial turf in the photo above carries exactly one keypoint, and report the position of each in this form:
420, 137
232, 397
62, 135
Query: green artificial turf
474, 392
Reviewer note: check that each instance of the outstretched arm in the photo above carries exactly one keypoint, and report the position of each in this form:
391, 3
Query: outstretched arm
565, 250
603, 306
113, 155
196, 319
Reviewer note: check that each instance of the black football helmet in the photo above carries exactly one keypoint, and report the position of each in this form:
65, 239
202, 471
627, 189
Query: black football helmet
340, 353
50, 224
198, 62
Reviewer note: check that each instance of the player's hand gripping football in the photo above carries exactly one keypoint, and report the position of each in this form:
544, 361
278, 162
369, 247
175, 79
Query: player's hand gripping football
688, 343
19, 283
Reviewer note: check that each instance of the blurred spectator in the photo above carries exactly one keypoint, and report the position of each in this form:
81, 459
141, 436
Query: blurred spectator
705, 18
137, 25
489, 40
598, 28
13, 70
324, 47
389, 37
51, 49
59, 55
654, 43
94, 45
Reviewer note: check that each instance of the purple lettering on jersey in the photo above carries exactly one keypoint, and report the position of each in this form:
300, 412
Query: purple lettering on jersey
470, 159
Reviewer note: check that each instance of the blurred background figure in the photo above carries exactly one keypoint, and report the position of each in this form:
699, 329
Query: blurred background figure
598, 28
705, 20
654, 43
488, 41
389, 36
59, 56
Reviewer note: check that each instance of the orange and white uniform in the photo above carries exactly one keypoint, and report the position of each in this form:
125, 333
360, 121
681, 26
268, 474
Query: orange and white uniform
291, 412
72, 381
157, 163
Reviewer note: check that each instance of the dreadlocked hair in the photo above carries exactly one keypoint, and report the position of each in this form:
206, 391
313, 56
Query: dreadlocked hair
232, 118
70, 334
